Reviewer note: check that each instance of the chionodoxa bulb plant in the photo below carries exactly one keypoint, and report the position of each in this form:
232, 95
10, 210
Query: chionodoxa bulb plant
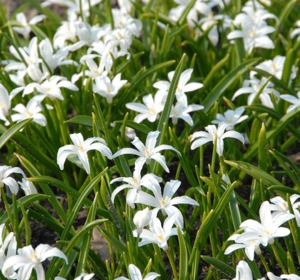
149, 139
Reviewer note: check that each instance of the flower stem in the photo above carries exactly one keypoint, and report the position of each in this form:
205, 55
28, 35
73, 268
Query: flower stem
263, 260
172, 264
278, 258
7, 209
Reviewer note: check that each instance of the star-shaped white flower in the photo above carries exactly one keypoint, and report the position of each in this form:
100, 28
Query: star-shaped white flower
107, 88
215, 135
149, 110
231, 117
28, 259
5, 179
148, 152
134, 183
182, 86
164, 201
80, 148
158, 234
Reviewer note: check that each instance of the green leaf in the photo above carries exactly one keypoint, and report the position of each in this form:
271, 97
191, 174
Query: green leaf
45, 188
165, 114
183, 260
9, 133
284, 190
80, 119
215, 70
280, 125
80, 201
274, 80
38, 32
51, 272
86, 239
218, 264
209, 222
254, 172
139, 127
288, 7
69, 190
138, 79
25, 200
220, 88
262, 149
184, 161
287, 68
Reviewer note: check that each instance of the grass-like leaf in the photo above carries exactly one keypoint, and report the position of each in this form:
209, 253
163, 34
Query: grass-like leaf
9, 133
219, 89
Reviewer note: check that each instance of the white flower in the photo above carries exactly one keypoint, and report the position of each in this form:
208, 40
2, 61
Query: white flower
5, 172
80, 148
24, 28
135, 274
158, 234
253, 86
231, 117
179, 111
253, 33
53, 60
28, 259
269, 228
30, 61
215, 135
290, 276
291, 99
243, 271
107, 88
182, 86
4, 104
274, 67
141, 219
148, 152
87, 35
164, 201
135, 183
28, 187
51, 87
32, 110
8, 247
66, 32
248, 240
271, 276
296, 31
149, 110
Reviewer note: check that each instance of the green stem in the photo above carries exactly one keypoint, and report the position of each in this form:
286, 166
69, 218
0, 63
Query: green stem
278, 258
213, 160
7, 209
172, 264
263, 260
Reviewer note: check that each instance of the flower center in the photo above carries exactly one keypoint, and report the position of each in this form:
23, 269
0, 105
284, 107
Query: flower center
34, 258
163, 203
152, 111
28, 114
160, 237
252, 34
80, 148
147, 153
